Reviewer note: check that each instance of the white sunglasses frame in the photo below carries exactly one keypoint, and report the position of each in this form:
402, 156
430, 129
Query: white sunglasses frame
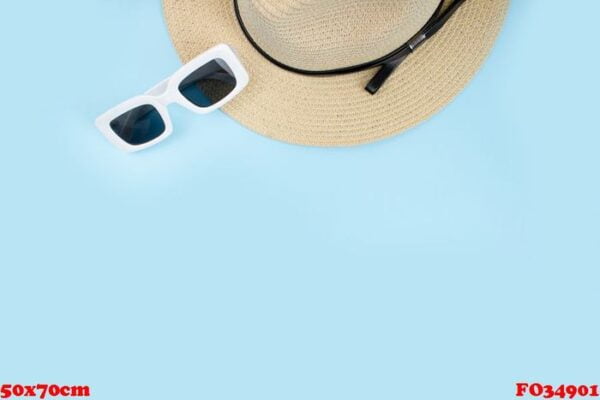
167, 92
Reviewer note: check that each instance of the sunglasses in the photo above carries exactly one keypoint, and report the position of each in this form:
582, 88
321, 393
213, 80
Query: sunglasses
203, 85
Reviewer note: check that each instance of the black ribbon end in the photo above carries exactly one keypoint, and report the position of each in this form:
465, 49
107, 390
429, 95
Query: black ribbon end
372, 87
383, 74
379, 79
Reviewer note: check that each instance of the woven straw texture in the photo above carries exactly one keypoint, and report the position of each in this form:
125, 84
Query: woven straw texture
336, 110
328, 34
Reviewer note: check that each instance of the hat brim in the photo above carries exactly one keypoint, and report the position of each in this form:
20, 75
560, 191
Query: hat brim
336, 110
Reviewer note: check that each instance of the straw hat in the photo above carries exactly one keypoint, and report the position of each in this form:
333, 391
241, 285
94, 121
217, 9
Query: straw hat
275, 37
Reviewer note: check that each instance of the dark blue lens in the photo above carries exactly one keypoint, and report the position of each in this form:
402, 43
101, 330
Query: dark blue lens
209, 84
141, 125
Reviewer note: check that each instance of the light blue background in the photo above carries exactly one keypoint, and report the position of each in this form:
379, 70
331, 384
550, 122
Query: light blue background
450, 262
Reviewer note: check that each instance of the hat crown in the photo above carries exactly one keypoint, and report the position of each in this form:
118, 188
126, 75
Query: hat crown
320, 35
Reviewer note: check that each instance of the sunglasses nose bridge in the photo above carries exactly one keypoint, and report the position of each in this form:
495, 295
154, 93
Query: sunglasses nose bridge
163, 93
168, 98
